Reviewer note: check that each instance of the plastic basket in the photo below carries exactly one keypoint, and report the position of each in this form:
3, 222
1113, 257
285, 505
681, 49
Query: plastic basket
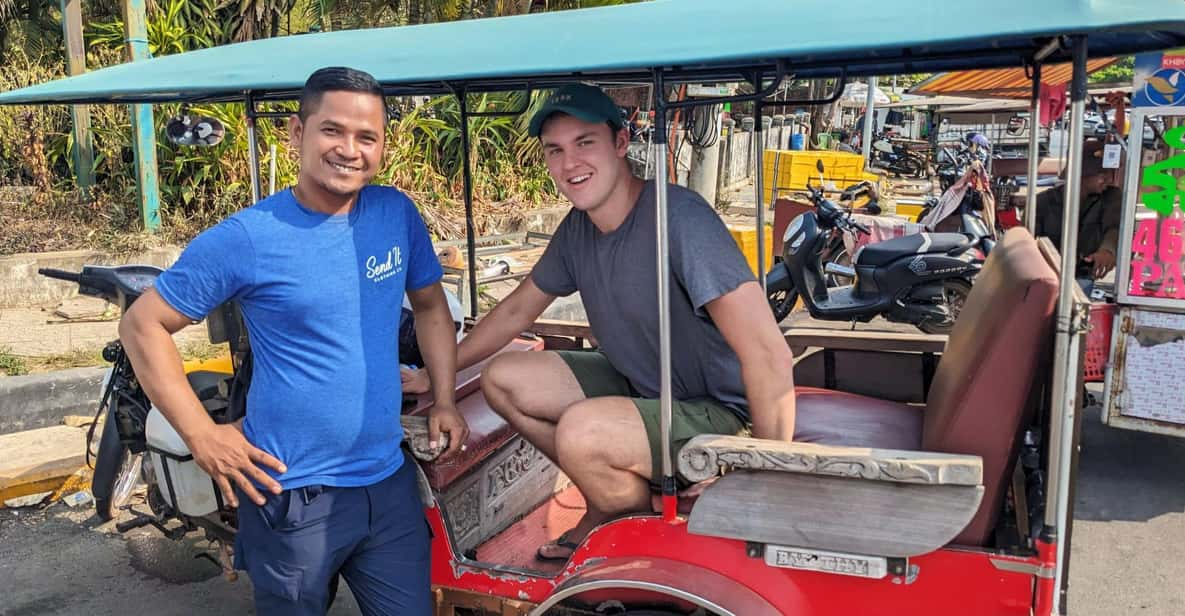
1098, 342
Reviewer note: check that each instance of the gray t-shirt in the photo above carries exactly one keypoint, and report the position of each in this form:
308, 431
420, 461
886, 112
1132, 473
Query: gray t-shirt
616, 275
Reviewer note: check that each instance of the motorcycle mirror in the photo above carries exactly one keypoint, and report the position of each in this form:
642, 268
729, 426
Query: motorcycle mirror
819, 165
192, 130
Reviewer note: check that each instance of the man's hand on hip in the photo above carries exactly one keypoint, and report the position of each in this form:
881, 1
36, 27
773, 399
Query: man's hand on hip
226, 455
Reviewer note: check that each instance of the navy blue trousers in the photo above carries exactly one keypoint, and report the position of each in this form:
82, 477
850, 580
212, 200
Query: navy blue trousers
375, 536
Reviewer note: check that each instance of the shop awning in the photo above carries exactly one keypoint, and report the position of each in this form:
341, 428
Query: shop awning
999, 82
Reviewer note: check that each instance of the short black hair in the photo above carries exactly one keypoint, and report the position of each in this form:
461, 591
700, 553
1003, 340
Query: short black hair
336, 79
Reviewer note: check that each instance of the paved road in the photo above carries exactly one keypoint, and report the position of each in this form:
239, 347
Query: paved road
1128, 542
62, 561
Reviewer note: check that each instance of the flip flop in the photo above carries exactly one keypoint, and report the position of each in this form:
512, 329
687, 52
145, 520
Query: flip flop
561, 542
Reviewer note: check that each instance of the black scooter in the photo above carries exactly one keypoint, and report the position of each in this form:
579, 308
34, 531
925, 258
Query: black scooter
897, 159
921, 279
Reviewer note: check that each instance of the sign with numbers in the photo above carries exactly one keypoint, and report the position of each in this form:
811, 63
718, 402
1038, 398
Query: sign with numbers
1151, 259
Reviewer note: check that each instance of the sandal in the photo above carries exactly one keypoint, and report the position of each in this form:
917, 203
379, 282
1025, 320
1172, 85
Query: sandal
561, 542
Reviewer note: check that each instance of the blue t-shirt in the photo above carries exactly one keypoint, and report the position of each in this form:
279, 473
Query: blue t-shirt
321, 298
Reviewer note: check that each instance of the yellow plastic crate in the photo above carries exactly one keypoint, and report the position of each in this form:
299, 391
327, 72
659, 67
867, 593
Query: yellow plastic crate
790, 170
746, 238
908, 210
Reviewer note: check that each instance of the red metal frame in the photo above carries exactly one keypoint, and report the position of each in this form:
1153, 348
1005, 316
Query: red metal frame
952, 580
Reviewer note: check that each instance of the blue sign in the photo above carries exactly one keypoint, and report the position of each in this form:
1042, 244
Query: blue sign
1159, 80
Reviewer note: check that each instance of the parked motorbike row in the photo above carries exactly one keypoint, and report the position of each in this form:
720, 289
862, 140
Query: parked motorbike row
921, 279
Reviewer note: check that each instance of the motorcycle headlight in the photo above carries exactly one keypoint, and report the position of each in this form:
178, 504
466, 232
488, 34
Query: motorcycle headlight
791, 229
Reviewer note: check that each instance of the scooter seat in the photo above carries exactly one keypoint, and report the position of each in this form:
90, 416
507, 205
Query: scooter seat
883, 253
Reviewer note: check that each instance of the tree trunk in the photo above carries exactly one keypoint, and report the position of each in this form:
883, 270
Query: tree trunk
820, 114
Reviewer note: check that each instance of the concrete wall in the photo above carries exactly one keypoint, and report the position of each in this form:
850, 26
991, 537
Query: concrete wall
41, 400
20, 285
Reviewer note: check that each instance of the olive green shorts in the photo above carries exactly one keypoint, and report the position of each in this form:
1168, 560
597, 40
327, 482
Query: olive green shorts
689, 418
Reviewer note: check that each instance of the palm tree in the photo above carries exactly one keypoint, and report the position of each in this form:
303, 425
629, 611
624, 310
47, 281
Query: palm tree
256, 19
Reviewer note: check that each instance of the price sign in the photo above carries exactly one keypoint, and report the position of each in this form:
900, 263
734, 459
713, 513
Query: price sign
1156, 258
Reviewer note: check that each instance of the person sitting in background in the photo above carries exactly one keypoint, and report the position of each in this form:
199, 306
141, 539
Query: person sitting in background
1101, 205
845, 143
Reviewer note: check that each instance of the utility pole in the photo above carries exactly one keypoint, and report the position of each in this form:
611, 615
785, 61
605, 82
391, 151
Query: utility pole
83, 154
869, 122
143, 130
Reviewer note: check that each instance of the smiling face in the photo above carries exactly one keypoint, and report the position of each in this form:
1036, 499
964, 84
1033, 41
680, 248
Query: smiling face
585, 159
340, 143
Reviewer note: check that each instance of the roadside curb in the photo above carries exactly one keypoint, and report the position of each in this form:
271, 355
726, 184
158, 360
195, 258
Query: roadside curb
44, 460
35, 401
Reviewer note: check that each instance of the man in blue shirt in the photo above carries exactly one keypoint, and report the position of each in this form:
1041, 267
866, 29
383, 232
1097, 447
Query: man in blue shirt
319, 272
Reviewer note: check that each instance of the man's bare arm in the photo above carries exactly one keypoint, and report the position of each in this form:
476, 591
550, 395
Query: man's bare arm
767, 366
220, 450
436, 336
512, 316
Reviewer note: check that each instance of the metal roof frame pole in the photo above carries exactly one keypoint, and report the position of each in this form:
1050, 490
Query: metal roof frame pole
659, 153
253, 149
1067, 341
143, 133
758, 183
1034, 151
869, 122
467, 179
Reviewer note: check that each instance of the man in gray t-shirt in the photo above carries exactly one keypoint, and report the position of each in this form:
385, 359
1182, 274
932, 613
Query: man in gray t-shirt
596, 413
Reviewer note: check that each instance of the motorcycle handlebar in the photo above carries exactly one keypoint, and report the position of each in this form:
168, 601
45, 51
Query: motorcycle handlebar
60, 274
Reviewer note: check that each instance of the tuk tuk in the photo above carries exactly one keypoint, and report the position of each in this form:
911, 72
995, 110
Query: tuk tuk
964, 508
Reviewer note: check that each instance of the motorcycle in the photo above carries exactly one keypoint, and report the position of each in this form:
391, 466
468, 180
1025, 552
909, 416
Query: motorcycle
138, 443
951, 162
896, 158
921, 279
134, 429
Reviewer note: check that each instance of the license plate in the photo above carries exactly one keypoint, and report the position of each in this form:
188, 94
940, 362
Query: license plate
874, 567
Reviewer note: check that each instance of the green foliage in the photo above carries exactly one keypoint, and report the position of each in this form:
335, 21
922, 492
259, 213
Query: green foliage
199, 186
11, 365
1121, 72
174, 26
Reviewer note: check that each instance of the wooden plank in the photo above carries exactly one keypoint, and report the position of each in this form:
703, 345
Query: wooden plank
571, 329
39, 460
801, 339
704, 456
831, 513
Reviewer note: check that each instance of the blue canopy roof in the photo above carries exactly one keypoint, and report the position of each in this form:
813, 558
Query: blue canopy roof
691, 39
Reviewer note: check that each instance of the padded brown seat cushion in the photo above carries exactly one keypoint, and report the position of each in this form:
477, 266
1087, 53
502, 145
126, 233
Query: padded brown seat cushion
839, 418
487, 430
979, 400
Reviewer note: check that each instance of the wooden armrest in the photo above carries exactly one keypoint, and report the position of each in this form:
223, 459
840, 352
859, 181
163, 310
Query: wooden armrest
572, 329
706, 455
415, 434
800, 339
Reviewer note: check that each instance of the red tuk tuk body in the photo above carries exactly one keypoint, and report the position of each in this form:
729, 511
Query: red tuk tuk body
485, 535
648, 560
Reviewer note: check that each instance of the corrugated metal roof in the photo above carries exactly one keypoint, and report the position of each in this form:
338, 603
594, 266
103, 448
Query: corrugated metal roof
1000, 82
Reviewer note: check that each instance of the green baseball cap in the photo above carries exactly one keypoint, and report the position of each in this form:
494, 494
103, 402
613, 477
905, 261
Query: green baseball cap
589, 103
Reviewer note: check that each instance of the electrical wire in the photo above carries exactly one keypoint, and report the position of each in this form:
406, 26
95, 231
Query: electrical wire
703, 126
